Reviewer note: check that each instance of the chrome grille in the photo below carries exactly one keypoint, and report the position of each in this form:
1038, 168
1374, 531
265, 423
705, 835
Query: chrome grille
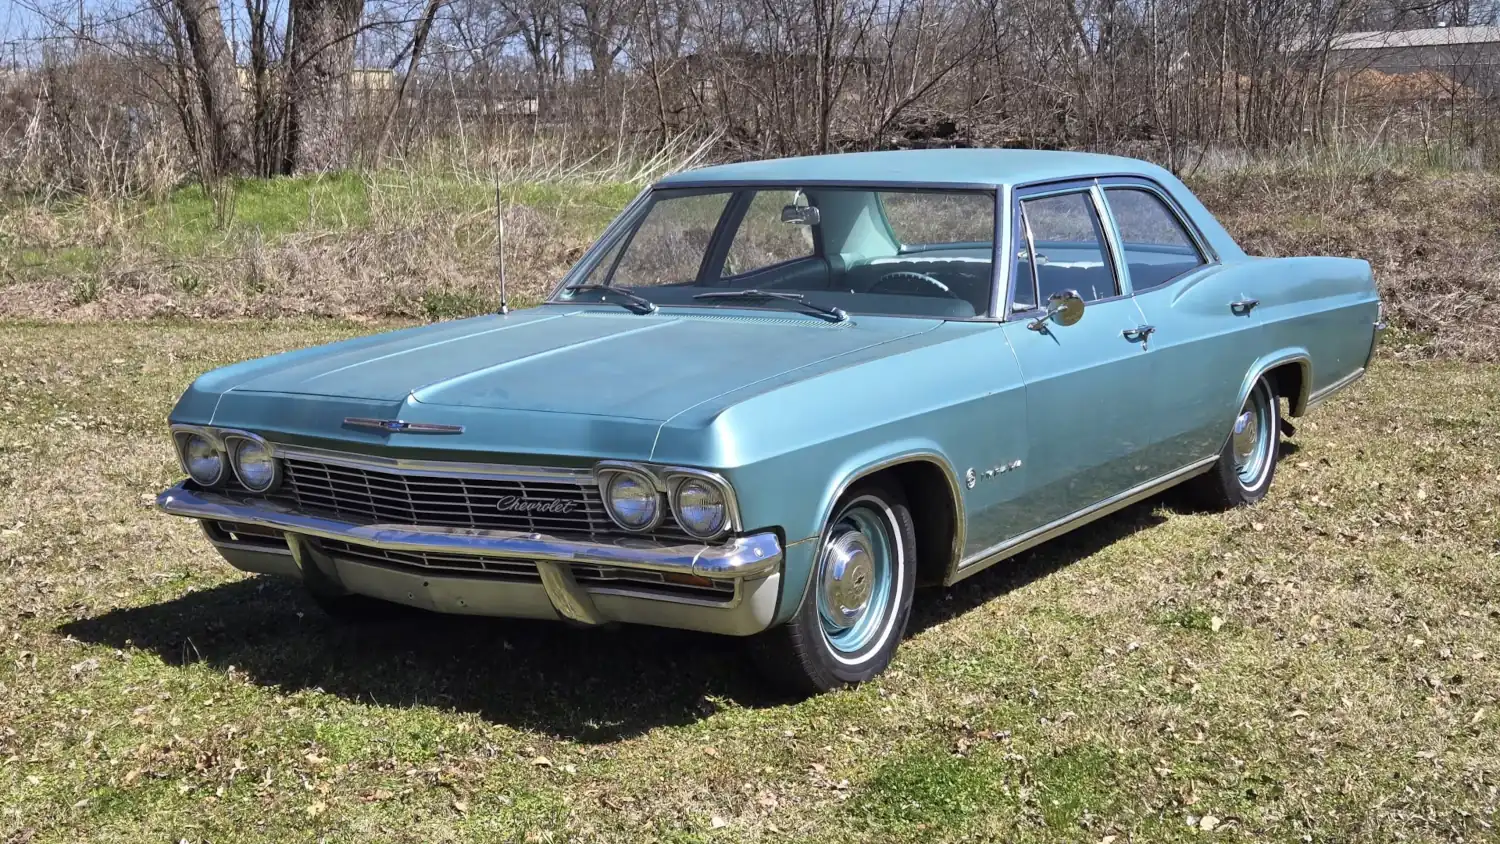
364, 494
588, 575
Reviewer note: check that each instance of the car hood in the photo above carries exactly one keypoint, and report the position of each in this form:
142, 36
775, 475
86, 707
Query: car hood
566, 365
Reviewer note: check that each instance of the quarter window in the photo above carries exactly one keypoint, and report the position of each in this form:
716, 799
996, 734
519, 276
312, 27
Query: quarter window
1065, 249
1157, 246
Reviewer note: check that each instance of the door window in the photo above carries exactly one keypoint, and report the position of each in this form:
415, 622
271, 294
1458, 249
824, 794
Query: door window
1156, 244
1065, 248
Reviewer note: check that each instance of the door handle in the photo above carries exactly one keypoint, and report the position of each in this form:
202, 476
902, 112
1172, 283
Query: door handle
1140, 333
1243, 306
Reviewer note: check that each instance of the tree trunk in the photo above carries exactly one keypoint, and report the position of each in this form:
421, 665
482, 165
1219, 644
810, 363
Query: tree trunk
322, 56
218, 87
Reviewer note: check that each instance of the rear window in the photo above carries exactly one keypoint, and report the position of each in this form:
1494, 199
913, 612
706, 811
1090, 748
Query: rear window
920, 218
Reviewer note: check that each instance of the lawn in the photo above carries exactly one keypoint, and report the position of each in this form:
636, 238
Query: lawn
1322, 667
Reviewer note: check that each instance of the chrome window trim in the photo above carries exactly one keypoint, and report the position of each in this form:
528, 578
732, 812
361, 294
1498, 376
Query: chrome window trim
1084, 186
1205, 250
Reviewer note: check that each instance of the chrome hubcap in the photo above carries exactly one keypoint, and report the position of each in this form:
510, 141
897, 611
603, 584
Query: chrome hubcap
848, 579
1253, 438
856, 577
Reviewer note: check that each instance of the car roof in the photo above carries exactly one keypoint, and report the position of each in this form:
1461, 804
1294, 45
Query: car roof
937, 167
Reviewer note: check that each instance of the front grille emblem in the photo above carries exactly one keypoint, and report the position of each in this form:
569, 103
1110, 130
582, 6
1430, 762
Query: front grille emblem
392, 426
517, 504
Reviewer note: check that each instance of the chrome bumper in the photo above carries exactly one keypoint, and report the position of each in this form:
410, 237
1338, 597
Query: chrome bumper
746, 557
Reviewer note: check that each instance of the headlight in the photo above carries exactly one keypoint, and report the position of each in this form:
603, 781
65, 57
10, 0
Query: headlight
204, 462
631, 500
700, 508
254, 464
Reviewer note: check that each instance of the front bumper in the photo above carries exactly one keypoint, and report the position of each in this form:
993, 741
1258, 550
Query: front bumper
753, 561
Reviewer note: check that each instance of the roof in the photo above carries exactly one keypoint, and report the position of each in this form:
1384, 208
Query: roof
946, 167
1442, 36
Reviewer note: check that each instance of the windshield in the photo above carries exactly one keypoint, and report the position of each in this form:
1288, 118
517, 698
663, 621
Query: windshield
861, 250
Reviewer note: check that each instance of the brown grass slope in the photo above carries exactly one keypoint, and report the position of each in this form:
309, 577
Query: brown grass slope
394, 245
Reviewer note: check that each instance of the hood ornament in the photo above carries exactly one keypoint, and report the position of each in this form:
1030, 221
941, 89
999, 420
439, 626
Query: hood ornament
393, 426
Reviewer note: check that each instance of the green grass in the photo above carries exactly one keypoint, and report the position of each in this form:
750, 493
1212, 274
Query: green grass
150, 693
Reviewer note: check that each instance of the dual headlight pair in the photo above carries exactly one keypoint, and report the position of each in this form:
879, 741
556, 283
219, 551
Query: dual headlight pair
638, 500
209, 464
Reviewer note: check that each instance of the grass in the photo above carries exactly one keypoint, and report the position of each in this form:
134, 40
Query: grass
420, 244
1322, 667
394, 243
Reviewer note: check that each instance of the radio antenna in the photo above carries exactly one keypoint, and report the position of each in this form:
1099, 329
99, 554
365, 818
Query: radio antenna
500, 245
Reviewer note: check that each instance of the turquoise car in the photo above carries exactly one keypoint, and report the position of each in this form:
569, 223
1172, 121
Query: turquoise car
776, 396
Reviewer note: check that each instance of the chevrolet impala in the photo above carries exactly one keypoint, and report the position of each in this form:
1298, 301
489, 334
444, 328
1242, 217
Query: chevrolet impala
776, 396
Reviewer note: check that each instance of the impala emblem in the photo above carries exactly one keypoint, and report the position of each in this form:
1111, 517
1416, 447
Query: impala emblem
517, 504
397, 426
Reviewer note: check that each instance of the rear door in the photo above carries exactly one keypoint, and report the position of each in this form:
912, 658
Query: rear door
1204, 338
1084, 382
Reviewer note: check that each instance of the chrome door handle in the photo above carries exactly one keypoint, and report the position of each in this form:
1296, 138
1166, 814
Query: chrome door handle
1140, 333
1243, 306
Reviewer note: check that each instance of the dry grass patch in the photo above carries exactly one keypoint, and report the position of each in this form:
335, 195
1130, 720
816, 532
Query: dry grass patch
1320, 667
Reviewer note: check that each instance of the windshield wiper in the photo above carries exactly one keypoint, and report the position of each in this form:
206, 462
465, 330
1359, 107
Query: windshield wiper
832, 314
636, 304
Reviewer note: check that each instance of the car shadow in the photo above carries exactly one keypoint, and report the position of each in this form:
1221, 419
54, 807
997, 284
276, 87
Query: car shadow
596, 685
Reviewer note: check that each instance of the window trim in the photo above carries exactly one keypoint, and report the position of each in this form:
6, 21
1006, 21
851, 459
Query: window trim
1206, 256
1090, 188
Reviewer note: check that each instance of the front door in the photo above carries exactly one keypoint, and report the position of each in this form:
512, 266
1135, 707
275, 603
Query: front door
1086, 416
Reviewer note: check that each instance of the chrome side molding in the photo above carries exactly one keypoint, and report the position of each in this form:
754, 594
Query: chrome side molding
1015, 545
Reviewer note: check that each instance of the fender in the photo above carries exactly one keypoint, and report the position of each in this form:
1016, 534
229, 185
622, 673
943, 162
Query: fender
1271, 361
849, 473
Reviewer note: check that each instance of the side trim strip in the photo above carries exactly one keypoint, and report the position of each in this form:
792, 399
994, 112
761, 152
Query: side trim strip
1032, 538
1327, 392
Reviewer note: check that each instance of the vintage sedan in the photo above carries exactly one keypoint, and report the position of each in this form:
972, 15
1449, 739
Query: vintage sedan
776, 396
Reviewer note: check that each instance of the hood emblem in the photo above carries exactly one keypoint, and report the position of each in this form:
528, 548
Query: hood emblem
392, 426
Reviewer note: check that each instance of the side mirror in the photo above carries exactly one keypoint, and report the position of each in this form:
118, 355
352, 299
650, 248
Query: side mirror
800, 215
1064, 307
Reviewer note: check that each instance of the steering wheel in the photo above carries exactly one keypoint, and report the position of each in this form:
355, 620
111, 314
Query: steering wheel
916, 276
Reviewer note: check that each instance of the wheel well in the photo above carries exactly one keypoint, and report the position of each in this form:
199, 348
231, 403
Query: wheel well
930, 497
1289, 380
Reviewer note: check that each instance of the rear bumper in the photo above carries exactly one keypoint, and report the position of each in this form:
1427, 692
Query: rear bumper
751, 562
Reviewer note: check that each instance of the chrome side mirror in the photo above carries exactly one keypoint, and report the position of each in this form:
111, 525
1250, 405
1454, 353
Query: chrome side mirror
1064, 307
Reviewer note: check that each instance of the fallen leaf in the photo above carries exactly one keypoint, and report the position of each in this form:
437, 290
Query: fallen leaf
717, 822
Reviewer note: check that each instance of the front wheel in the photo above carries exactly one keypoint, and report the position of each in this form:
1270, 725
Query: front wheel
1247, 464
855, 609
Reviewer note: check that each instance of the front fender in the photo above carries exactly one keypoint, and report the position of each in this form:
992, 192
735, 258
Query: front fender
803, 556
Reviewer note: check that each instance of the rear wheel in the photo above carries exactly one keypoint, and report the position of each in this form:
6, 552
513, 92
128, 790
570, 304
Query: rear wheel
1247, 464
855, 610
